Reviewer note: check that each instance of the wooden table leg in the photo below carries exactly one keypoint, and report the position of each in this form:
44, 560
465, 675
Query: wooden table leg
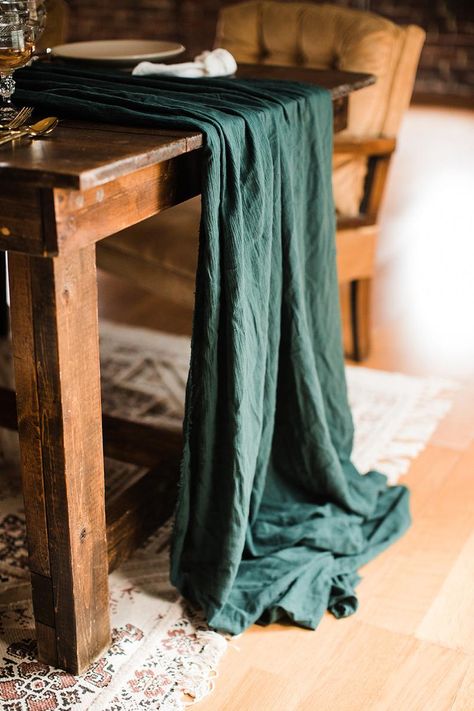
360, 291
56, 356
3, 297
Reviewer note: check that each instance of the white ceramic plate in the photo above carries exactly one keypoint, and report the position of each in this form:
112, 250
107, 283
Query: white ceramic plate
118, 52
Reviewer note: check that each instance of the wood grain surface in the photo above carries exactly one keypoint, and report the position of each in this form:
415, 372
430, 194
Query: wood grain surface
56, 357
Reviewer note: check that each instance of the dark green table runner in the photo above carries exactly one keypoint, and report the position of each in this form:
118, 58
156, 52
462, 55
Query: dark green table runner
272, 517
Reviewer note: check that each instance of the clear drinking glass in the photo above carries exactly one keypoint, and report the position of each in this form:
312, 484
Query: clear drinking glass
21, 24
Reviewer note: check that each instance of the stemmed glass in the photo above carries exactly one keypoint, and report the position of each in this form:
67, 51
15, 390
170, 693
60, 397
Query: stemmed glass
21, 24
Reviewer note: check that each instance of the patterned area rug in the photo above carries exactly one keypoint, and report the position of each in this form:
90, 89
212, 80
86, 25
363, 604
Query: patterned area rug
163, 656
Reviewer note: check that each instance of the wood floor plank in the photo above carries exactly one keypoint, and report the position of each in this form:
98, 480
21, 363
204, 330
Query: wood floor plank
428, 677
399, 587
354, 678
456, 431
326, 669
450, 619
426, 475
465, 697
259, 690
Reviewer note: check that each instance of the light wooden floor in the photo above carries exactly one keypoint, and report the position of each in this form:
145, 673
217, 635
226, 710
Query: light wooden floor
410, 647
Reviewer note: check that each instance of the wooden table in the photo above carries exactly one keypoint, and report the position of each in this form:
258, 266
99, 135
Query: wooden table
58, 197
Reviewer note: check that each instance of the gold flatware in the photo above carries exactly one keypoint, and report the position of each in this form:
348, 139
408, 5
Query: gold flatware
17, 121
41, 128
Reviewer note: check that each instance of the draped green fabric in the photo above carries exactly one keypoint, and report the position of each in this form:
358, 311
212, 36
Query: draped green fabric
272, 518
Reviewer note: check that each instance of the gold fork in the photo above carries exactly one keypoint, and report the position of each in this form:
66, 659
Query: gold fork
41, 128
21, 117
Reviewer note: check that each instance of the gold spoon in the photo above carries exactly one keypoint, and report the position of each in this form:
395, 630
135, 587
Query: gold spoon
41, 128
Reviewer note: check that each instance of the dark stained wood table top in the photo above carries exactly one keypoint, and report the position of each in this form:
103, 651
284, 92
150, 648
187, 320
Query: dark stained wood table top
84, 155
339, 83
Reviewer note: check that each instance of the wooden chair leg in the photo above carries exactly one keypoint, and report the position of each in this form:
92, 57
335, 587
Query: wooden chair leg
360, 292
4, 315
56, 357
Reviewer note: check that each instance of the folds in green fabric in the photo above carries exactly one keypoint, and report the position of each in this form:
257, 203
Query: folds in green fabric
272, 518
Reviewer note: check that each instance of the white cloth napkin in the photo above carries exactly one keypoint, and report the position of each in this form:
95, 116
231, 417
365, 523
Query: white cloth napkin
218, 63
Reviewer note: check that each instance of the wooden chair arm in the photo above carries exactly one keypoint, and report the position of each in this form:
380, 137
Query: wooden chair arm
354, 222
364, 146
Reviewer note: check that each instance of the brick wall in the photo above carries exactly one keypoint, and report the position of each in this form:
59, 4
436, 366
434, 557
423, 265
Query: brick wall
446, 66
447, 60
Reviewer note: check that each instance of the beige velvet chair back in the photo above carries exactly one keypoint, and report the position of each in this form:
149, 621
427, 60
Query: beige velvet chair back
332, 37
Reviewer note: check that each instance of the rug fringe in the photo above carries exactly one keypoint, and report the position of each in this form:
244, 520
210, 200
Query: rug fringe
200, 682
434, 402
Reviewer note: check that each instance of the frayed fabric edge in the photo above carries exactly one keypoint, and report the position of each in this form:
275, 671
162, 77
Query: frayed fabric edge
202, 673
